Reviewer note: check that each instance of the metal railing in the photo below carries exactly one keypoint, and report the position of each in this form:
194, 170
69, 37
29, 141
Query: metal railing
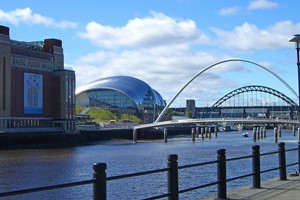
100, 178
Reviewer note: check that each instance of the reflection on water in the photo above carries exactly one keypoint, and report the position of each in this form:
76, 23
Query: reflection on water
28, 168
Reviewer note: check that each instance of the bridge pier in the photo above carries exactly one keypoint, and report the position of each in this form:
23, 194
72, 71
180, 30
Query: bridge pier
298, 134
216, 131
265, 132
275, 135
206, 132
261, 132
197, 131
134, 136
279, 131
202, 133
193, 134
209, 132
166, 135
294, 131
257, 133
254, 133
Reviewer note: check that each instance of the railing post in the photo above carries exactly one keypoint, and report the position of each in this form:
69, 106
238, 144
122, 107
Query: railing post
256, 166
282, 161
221, 158
99, 186
173, 177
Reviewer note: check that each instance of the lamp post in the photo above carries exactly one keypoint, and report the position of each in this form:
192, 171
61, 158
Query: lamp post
296, 39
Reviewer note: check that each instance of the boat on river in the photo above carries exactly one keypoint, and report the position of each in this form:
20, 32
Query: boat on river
246, 134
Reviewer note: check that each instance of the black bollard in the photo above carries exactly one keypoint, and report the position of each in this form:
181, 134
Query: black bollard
99, 186
256, 166
282, 161
221, 158
173, 177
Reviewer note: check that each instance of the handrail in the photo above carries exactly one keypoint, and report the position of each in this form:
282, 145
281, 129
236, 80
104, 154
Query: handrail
40, 189
197, 164
172, 165
137, 174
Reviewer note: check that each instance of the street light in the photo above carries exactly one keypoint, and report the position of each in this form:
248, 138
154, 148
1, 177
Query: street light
296, 39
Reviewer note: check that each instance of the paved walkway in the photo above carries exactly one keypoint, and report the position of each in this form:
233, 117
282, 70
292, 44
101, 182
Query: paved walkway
272, 189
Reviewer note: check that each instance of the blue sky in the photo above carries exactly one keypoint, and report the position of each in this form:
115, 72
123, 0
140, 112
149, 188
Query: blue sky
166, 42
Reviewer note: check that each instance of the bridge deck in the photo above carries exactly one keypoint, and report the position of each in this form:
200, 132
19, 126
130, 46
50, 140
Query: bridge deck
217, 120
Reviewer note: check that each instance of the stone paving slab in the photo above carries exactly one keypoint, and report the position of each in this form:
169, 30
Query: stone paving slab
272, 189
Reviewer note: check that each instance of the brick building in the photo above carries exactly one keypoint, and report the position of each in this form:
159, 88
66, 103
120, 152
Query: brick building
35, 89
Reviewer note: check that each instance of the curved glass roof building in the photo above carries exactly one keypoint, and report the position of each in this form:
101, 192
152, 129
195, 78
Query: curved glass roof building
119, 92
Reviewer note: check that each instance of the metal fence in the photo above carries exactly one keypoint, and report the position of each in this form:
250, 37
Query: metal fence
100, 178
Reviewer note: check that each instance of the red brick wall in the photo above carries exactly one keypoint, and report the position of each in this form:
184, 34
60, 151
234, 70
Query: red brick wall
17, 93
56, 104
47, 95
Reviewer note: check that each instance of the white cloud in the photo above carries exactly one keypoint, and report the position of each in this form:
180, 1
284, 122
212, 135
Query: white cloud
156, 30
230, 11
154, 50
165, 69
249, 37
27, 16
262, 5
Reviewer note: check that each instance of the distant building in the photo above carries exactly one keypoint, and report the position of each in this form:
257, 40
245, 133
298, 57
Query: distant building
190, 108
35, 89
123, 93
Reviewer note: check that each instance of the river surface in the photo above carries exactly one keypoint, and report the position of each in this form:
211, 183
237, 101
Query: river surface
27, 168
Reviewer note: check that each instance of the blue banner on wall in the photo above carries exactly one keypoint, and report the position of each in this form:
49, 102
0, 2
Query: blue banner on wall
33, 93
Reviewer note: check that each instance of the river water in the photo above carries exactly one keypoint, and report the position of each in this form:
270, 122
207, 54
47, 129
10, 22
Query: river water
27, 168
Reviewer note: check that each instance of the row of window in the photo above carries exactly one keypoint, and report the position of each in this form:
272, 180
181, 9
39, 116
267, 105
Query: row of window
110, 98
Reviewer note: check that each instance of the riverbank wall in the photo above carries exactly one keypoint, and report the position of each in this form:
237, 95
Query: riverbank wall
57, 139
39, 140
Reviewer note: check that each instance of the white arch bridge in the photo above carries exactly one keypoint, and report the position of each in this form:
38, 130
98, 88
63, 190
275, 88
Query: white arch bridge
215, 121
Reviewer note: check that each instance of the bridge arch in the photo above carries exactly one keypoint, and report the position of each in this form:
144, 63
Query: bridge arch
253, 88
213, 65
